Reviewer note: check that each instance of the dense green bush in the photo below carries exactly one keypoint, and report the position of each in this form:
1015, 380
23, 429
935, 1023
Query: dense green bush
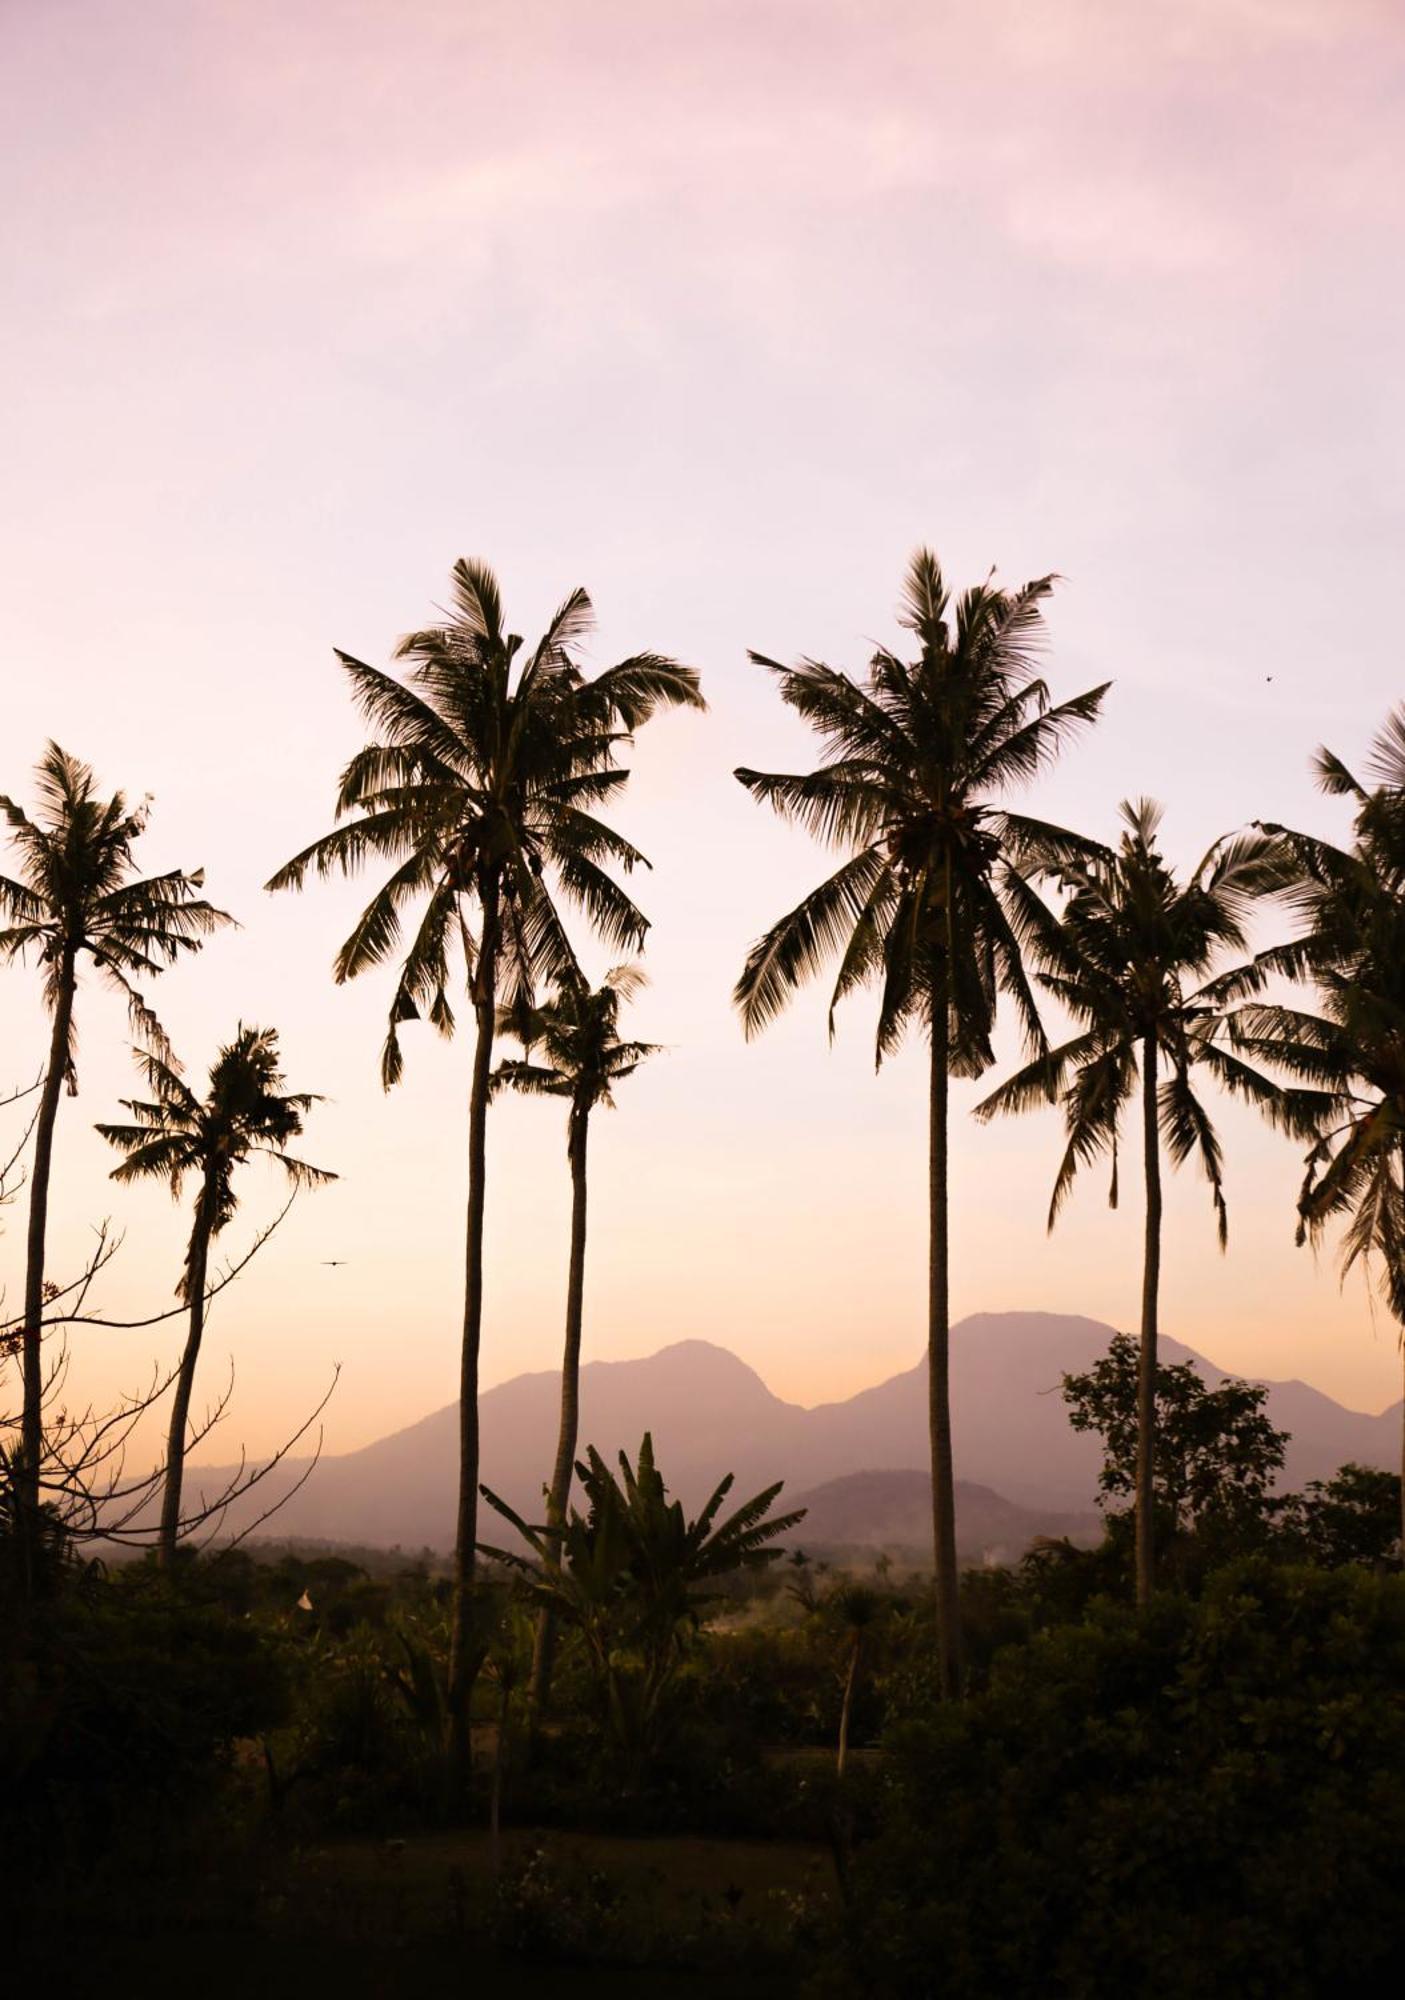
121, 1702
1208, 1799
1352, 1517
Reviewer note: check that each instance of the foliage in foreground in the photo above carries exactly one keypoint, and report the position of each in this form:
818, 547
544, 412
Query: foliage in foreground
631, 1577
120, 1705
1209, 1799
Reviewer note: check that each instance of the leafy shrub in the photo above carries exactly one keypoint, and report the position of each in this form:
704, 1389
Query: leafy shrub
120, 1705
1352, 1517
1206, 1800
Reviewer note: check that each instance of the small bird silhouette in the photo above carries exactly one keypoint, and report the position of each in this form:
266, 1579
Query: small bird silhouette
332, 1262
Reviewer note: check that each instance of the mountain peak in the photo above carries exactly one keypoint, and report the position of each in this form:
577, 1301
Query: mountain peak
710, 1414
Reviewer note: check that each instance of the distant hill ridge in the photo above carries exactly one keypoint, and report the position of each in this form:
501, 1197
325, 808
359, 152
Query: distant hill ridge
710, 1413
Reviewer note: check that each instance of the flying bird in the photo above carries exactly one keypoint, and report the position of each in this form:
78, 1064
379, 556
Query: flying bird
332, 1262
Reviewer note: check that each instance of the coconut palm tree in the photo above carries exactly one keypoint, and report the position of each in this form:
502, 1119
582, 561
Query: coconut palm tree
929, 903
1132, 957
478, 791
79, 898
573, 1052
1350, 902
176, 1134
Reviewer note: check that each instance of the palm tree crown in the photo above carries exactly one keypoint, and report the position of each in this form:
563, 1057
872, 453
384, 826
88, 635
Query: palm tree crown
77, 894
1350, 904
245, 1111
572, 1041
914, 756
1131, 958
478, 790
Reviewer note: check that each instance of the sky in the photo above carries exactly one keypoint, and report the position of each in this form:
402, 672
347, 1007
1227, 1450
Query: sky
719, 310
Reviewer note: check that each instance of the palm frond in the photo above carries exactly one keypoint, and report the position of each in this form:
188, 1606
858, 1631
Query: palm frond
799, 943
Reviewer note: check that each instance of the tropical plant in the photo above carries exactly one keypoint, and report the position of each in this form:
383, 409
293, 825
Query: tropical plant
631, 1576
931, 901
1132, 958
1350, 903
478, 791
573, 1052
854, 1607
78, 897
176, 1134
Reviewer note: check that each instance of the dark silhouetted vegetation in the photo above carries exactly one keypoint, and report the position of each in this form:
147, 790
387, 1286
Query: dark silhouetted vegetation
479, 790
573, 1052
1134, 958
930, 903
174, 1136
1083, 1772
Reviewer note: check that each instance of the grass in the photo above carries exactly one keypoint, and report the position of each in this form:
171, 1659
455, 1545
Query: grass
369, 1917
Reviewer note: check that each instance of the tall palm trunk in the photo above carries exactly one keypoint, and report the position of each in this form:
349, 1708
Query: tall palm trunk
463, 1661
197, 1267
560, 1491
1146, 1364
32, 1417
1402, 1406
851, 1681
938, 1364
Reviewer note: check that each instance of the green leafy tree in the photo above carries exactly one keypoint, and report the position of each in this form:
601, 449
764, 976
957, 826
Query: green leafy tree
1217, 1452
1353, 1517
1350, 904
1206, 1799
1132, 957
479, 791
78, 900
176, 1135
930, 903
631, 1575
574, 1053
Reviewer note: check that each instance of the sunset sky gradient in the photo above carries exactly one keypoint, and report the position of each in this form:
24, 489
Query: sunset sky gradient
718, 309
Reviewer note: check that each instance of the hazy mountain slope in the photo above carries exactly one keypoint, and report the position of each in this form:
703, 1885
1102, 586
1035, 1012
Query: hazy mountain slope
892, 1511
710, 1414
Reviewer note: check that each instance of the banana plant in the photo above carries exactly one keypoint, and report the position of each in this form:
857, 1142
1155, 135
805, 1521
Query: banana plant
630, 1575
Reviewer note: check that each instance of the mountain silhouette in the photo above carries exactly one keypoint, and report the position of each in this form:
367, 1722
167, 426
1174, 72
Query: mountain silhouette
710, 1414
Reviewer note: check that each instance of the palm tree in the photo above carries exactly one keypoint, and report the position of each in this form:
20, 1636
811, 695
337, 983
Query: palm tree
930, 901
1131, 958
175, 1134
477, 791
1351, 905
78, 896
574, 1052
855, 1608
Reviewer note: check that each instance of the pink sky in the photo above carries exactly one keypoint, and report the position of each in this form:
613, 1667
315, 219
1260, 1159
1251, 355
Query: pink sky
719, 310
